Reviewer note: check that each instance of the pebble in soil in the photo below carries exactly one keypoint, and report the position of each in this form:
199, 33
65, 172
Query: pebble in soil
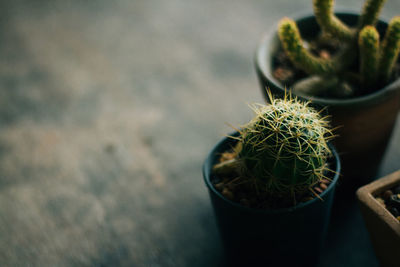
390, 199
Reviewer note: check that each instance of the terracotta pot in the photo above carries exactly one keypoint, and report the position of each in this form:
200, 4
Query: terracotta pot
383, 227
367, 121
254, 237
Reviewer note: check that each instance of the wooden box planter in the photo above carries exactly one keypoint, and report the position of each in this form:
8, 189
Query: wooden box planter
383, 227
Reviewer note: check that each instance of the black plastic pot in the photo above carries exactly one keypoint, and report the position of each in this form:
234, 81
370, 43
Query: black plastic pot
366, 122
283, 237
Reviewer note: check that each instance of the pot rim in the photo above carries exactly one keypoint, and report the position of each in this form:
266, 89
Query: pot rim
262, 67
207, 166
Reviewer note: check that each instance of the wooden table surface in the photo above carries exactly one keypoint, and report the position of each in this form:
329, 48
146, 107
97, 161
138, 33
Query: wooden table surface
107, 111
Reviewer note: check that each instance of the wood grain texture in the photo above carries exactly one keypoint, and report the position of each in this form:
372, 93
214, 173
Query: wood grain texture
107, 111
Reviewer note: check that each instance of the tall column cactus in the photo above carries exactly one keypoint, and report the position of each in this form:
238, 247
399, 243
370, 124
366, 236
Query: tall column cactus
293, 45
323, 10
370, 13
285, 146
369, 51
390, 49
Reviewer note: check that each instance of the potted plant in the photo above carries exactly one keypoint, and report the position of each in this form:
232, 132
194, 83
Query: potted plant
271, 185
347, 64
380, 206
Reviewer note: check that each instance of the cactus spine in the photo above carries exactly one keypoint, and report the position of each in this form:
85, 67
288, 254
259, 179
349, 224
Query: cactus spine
285, 146
376, 61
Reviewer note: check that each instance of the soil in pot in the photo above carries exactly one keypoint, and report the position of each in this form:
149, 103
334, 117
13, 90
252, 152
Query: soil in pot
390, 199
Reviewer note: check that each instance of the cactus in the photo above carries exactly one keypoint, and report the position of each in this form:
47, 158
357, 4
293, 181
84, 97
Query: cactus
292, 43
370, 12
390, 49
323, 10
376, 61
283, 148
369, 50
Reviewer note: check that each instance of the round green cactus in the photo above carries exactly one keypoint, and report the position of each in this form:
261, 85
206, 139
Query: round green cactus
285, 146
